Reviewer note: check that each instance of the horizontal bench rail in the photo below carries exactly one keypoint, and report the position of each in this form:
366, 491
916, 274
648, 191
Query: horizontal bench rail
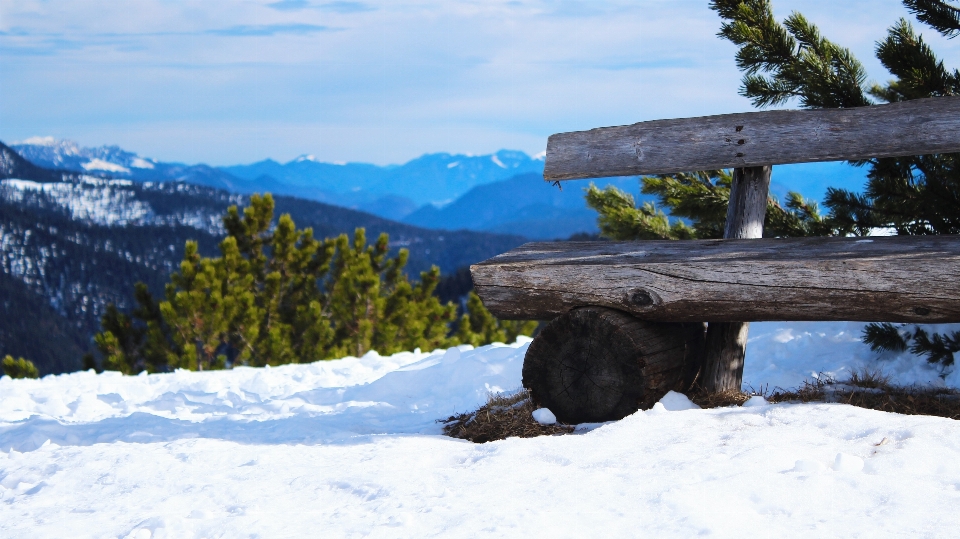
918, 127
894, 279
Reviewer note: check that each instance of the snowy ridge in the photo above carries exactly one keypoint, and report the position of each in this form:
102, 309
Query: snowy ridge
106, 202
99, 201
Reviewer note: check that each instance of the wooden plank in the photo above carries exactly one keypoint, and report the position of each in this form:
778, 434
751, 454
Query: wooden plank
922, 126
895, 279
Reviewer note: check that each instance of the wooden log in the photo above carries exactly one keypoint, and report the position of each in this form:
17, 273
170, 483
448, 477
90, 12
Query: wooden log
595, 364
727, 341
726, 346
723, 356
748, 203
895, 279
920, 126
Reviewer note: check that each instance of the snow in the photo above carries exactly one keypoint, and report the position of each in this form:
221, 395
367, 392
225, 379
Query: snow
108, 202
496, 161
100, 164
139, 162
544, 416
755, 400
100, 201
351, 448
782, 354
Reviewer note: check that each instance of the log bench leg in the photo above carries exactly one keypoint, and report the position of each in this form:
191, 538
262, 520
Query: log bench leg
723, 357
597, 364
727, 341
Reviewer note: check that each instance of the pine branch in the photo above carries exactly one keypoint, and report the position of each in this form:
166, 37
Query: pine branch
784, 61
919, 73
938, 348
885, 336
936, 13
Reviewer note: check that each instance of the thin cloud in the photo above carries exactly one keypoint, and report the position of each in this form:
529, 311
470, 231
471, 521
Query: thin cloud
21, 43
245, 30
290, 5
338, 7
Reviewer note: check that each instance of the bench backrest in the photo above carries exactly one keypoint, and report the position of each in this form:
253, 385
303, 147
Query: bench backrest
922, 126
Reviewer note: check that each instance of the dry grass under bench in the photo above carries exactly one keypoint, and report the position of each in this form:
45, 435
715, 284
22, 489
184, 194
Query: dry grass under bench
511, 414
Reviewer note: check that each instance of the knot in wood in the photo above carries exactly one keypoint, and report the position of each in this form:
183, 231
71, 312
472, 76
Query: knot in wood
639, 297
922, 311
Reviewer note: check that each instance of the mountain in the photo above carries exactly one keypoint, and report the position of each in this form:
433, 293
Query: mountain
432, 178
388, 191
523, 204
72, 243
13, 165
118, 163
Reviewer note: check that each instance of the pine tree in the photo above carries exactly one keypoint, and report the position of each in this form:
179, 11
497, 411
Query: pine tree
286, 268
19, 368
413, 316
912, 195
276, 295
782, 62
119, 341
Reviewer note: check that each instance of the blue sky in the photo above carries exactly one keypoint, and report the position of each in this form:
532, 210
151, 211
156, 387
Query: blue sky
227, 82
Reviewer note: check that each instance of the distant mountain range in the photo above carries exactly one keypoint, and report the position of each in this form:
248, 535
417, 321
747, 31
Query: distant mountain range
430, 179
501, 192
73, 242
392, 191
523, 204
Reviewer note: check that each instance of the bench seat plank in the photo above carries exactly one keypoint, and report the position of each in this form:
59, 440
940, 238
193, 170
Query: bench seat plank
895, 279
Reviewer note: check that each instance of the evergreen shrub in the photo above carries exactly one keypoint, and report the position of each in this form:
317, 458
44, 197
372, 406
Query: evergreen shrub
277, 295
19, 368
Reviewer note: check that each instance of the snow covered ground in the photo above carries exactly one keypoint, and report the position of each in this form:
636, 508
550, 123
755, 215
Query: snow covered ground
351, 448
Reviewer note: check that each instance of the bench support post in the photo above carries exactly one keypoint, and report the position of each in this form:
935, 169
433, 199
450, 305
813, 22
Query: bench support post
726, 343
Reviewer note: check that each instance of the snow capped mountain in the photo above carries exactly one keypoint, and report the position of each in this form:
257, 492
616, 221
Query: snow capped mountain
67, 154
115, 162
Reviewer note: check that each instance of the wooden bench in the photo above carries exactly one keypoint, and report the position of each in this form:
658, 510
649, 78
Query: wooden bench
629, 318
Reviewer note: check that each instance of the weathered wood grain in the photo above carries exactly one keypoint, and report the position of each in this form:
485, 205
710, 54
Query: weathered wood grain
922, 126
900, 278
748, 203
595, 364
